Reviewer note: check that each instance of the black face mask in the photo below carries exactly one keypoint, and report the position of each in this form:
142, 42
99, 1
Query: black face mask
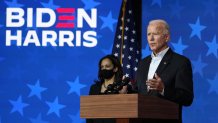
106, 74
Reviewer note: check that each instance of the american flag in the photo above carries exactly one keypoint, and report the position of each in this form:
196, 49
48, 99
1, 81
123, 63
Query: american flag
127, 41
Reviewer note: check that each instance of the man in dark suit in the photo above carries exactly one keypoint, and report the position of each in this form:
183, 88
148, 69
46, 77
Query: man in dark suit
165, 73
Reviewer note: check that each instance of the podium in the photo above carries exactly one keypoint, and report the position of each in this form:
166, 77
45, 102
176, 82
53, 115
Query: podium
127, 108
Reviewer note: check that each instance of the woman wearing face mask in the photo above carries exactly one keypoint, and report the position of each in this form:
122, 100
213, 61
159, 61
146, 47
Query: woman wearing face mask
109, 72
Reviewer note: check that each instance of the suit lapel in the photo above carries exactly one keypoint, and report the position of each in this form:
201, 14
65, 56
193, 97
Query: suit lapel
147, 65
164, 62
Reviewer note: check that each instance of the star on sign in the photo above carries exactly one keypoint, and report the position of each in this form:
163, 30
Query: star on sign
212, 47
50, 4
196, 29
213, 85
108, 21
198, 66
54, 107
89, 4
36, 90
179, 47
75, 86
38, 119
18, 105
14, 3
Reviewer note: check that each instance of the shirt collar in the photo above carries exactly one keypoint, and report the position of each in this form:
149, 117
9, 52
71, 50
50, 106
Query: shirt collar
160, 54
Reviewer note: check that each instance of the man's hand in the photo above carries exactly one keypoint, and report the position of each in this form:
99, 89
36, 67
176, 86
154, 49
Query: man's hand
155, 84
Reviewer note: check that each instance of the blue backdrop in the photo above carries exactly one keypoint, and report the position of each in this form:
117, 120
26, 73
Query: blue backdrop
42, 84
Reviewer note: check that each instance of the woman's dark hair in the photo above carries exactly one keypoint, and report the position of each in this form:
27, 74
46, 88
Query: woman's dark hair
116, 63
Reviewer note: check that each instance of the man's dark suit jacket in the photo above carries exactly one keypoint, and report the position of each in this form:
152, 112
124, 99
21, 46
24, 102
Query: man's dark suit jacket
176, 73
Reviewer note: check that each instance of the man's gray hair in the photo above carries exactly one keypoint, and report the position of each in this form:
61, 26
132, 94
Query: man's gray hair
164, 23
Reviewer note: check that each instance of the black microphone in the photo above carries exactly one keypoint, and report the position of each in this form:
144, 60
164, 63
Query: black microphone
123, 83
117, 86
110, 89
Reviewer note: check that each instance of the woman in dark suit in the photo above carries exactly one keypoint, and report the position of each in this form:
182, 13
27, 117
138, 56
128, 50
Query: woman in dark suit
109, 73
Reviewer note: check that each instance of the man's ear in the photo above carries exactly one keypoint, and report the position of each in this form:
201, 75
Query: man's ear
167, 36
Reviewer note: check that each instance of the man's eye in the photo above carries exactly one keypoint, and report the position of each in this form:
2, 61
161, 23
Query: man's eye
155, 33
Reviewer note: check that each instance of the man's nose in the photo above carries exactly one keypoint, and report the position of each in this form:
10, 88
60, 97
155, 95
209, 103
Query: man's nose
151, 37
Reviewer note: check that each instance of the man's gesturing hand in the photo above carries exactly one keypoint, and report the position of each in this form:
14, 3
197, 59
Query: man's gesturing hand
155, 84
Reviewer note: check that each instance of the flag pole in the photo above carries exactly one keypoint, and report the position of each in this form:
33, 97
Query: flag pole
123, 23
